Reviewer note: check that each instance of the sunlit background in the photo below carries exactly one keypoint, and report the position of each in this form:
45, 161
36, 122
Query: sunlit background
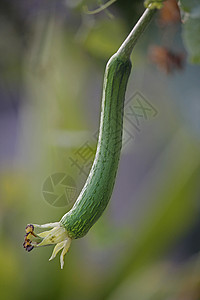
146, 245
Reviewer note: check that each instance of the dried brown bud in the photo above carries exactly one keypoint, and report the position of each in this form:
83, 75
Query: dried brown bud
27, 245
29, 228
165, 59
170, 13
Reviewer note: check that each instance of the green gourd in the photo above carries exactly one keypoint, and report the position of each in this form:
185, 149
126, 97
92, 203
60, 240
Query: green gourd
98, 188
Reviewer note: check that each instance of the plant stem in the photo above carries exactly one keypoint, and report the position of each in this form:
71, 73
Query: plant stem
129, 43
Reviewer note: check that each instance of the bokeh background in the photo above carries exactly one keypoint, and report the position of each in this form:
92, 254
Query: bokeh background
146, 245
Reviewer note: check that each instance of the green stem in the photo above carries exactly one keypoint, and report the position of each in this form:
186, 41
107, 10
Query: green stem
129, 43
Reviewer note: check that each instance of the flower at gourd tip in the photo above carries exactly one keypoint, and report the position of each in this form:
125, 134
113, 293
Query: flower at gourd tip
56, 236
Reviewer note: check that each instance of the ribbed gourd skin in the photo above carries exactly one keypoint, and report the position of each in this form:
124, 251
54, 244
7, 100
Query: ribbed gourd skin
98, 188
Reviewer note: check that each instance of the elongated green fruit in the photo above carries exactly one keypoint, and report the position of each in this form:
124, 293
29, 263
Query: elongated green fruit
98, 188
97, 191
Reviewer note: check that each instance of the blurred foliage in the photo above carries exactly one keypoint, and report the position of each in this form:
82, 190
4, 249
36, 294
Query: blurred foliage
191, 28
146, 245
102, 41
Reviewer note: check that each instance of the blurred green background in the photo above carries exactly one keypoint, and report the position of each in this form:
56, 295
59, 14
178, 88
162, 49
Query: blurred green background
146, 245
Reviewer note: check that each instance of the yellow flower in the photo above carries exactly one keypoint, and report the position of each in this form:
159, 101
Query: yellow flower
56, 236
